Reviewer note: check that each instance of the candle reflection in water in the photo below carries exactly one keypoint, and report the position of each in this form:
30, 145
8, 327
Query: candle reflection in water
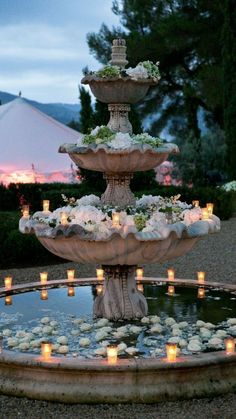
99, 289
8, 300
201, 292
171, 290
44, 294
71, 291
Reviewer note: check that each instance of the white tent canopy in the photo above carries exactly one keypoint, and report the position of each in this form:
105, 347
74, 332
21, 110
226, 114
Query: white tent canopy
29, 142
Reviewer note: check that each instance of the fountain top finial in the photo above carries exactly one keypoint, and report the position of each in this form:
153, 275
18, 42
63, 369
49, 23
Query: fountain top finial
118, 54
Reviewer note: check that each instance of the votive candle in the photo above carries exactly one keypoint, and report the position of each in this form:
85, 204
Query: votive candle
46, 205
201, 277
230, 345
171, 351
25, 211
210, 207
171, 274
205, 214
63, 218
112, 354
8, 282
201, 293
46, 350
139, 274
100, 274
70, 274
43, 277
195, 203
116, 219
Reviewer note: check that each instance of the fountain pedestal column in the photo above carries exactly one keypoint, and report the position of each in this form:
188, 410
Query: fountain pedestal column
120, 299
118, 192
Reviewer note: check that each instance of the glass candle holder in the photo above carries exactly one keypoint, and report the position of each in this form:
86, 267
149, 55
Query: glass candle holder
99, 289
46, 350
43, 277
140, 287
70, 274
8, 282
100, 274
171, 290
201, 277
171, 351
210, 207
205, 214
71, 291
195, 203
63, 218
230, 345
44, 294
201, 293
171, 274
25, 211
139, 274
8, 300
116, 219
112, 354
46, 205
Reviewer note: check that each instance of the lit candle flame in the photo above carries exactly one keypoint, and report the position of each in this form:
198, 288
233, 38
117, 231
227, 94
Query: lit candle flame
112, 354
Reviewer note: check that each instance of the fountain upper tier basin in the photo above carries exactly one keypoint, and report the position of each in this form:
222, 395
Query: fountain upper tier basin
105, 159
121, 247
118, 89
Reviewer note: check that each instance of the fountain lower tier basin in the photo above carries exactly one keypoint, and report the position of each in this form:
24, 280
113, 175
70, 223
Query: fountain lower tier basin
104, 159
139, 377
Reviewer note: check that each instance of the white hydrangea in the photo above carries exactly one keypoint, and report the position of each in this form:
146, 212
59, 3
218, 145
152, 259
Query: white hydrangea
88, 200
148, 200
230, 186
121, 141
138, 72
86, 213
191, 216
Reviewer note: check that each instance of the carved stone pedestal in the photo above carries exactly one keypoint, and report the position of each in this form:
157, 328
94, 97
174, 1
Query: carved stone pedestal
118, 190
119, 119
120, 299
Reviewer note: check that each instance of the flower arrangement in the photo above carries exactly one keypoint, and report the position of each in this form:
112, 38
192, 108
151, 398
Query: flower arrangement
118, 140
143, 70
230, 186
148, 215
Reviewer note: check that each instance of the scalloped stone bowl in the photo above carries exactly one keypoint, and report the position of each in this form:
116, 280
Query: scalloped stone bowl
103, 159
118, 90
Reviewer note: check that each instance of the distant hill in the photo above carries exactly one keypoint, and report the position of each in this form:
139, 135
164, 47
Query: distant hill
63, 112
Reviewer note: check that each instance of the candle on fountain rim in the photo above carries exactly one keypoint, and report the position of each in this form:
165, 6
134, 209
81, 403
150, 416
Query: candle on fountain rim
116, 219
210, 207
230, 345
71, 291
205, 214
46, 350
112, 354
99, 289
201, 277
201, 292
8, 300
70, 274
171, 290
8, 282
25, 211
46, 205
44, 294
171, 274
171, 351
63, 218
43, 277
139, 274
195, 203
140, 287
100, 274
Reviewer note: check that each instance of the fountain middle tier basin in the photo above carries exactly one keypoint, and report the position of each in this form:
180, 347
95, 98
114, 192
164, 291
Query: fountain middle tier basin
105, 159
121, 247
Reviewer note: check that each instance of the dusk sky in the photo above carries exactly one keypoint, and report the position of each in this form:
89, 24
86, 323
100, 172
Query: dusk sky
43, 45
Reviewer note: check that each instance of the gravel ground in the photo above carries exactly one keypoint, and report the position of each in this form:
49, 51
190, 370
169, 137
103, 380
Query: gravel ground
214, 254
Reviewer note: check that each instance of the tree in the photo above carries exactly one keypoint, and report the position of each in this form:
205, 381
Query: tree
86, 112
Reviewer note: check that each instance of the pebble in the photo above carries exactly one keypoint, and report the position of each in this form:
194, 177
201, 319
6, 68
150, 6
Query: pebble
170, 321
194, 346
84, 342
131, 350
63, 349
62, 340
45, 320
157, 328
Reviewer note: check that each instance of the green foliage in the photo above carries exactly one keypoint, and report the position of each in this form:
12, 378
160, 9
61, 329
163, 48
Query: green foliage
101, 115
86, 112
109, 71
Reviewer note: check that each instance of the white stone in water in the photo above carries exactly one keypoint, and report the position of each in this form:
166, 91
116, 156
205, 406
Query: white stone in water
121, 347
11, 342
7, 332
123, 329
174, 339
183, 325
155, 319
216, 343
131, 350
157, 351
37, 330
36, 343
119, 335
20, 334
105, 343
176, 331
100, 351
100, 336
157, 328
145, 320
77, 321
75, 332
47, 330
231, 321
84, 342
194, 346
63, 349
135, 329
27, 338
232, 330
148, 342
53, 323
106, 329
55, 347
205, 333
194, 337
209, 325
200, 323
183, 343
101, 322
170, 321
55, 332
45, 320
221, 333
24, 346
85, 327
62, 340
